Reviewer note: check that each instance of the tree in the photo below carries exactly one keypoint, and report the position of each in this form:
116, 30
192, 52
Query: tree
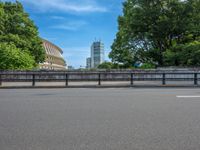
110, 65
106, 65
2, 18
12, 58
16, 28
184, 55
150, 28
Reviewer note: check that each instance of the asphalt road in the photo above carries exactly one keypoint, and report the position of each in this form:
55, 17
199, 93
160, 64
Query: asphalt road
100, 119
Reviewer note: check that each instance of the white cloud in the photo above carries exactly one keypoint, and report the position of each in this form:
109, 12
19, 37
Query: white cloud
71, 25
66, 5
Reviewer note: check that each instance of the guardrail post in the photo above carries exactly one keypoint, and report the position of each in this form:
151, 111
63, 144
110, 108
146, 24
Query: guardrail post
66, 80
33, 80
195, 79
164, 79
0, 80
131, 78
99, 79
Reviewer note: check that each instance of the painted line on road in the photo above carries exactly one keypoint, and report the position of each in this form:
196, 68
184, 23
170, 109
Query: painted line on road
189, 96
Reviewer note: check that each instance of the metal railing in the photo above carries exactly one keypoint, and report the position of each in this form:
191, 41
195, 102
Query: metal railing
99, 77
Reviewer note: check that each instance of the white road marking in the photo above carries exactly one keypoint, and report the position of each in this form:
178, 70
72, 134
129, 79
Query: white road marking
189, 96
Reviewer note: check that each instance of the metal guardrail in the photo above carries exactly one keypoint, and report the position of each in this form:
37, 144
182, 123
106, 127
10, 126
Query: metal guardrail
97, 76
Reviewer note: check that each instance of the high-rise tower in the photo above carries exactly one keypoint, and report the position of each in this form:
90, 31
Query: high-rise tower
97, 54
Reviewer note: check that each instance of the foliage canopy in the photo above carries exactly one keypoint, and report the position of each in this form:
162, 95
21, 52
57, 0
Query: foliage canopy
158, 32
19, 32
13, 58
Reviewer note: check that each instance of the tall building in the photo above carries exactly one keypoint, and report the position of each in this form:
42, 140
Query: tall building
53, 59
97, 54
88, 63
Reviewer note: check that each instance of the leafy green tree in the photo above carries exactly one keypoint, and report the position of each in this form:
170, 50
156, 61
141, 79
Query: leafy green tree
17, 28
12, 58
111, 65
150, 29
184, 55
147, 66
2, 18
106, 65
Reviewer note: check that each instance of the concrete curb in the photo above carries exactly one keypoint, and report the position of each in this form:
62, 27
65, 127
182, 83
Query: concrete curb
102, 86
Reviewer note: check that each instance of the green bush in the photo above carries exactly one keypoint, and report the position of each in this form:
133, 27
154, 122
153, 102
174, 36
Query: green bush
147, 66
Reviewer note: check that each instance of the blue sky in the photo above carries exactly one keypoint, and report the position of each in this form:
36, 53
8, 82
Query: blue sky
74, 24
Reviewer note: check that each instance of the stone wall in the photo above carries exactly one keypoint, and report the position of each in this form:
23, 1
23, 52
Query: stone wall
109, 75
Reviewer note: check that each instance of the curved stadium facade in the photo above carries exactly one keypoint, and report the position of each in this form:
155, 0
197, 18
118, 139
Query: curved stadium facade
54, 59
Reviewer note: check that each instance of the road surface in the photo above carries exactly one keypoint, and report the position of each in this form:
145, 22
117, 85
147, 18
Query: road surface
100, 119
